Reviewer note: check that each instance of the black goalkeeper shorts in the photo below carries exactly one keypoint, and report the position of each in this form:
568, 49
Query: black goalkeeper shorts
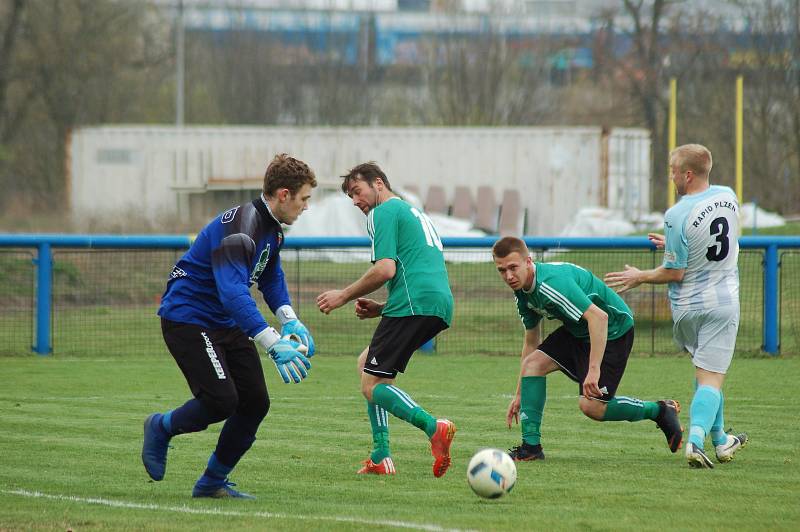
221, 366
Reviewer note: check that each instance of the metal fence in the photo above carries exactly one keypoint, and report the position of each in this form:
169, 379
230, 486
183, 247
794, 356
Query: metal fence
98, 295
789, 324
18, 289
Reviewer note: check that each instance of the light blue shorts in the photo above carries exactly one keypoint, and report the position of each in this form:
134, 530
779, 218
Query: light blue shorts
708, 335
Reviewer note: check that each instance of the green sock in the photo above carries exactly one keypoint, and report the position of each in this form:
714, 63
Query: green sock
379, 420
621, 408
533, 394
401, 405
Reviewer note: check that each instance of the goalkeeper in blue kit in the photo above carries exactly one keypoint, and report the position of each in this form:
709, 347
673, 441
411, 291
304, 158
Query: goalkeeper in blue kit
210, 321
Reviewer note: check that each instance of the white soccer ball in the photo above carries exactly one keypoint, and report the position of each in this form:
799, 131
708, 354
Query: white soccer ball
491, 473
302, 348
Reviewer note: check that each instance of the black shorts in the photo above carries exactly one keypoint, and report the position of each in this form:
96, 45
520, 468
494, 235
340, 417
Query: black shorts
572, 356
395, 340
220, 365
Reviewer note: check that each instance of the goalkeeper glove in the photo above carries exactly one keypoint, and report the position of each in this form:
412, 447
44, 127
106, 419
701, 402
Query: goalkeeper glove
297, 327
290, 362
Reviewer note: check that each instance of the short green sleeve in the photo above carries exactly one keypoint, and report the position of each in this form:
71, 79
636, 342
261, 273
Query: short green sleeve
382, 228
530, 319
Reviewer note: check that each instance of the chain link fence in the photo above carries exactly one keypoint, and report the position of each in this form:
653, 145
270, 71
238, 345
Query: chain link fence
18, 293
790, 301
105, 301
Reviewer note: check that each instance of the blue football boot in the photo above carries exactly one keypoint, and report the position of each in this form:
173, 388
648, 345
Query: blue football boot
217, 489
154, 448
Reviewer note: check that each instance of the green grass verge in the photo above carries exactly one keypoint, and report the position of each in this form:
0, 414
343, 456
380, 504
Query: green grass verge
789, 229
71, 433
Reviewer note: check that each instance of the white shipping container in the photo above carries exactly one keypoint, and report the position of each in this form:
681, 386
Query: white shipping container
166, 170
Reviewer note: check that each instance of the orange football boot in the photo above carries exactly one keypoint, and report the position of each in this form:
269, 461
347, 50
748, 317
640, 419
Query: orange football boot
384, 467
440, 446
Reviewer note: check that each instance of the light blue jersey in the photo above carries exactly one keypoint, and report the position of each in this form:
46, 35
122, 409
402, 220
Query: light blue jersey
702, 237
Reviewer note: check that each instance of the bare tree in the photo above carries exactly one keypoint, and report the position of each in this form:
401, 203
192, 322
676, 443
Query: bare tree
75, 59
664, 39
642, 74
11, 12
483, 79
762, 53
772, 104
236, 80
253, 77
340, 94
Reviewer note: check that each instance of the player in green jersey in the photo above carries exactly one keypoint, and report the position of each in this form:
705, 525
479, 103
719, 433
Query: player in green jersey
591, 347
407, 257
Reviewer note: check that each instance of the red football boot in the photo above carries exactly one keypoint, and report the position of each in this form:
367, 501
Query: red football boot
384, 467
440, 446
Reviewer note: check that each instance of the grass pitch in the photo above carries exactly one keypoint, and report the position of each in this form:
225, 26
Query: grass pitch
71, 436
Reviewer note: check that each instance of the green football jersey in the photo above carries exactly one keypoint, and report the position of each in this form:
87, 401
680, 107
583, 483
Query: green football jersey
563, 291
420, 287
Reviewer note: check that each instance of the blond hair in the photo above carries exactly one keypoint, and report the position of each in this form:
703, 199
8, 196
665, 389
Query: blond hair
694, 157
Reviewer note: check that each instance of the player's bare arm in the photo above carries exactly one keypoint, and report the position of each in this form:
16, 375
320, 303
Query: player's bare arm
368, 308
531, 341
373, 278
631, 277
597, 321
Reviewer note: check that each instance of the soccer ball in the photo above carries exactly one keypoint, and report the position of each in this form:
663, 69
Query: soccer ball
491, 473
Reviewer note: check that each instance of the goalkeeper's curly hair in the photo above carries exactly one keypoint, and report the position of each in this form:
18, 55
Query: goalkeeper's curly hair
287, 172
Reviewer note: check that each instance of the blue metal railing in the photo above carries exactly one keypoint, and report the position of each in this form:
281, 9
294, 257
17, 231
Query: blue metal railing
45, 242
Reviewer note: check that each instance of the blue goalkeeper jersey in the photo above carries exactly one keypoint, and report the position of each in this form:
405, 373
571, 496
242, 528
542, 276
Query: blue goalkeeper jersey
210, 285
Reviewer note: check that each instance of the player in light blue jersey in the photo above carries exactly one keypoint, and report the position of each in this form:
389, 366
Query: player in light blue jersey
701, 251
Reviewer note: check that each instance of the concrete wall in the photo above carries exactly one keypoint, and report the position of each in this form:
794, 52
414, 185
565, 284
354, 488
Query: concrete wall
156, 170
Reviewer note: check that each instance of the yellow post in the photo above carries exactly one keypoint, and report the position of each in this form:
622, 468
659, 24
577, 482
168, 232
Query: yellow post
673, 112
739, 136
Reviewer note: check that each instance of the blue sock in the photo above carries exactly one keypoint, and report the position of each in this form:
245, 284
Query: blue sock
192, 416
704, 408
215, 471
166, 422
236, 437
718, 436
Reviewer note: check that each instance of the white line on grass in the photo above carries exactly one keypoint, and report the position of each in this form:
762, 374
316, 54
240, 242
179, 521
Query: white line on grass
229, 513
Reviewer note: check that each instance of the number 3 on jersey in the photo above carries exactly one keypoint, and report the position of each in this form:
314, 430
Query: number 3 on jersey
719, 228
431, 237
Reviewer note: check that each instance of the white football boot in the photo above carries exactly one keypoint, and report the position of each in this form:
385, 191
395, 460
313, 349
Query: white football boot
726, 450
697, 458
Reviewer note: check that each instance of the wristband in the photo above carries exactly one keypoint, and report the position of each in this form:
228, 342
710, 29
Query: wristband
285, 314
267, 338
